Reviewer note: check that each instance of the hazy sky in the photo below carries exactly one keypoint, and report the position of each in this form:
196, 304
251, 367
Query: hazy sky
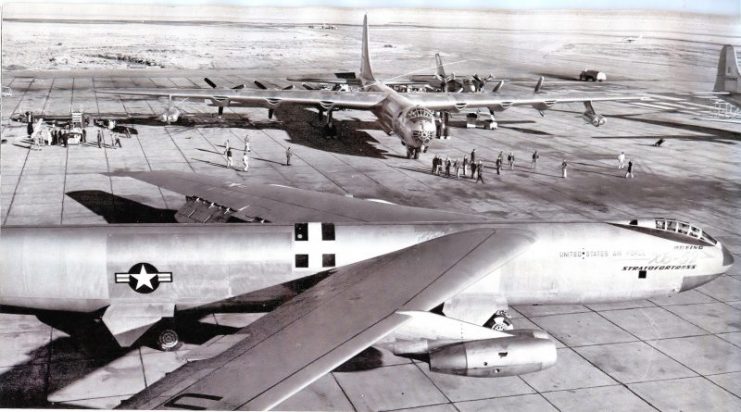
726, 7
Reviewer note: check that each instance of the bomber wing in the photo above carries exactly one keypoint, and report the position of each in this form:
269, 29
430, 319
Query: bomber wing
289, 348
461, 101
262, 98
274, 203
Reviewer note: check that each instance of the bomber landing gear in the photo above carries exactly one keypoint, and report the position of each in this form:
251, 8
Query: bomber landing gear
500, 321
330, 129
167, 339
413, 152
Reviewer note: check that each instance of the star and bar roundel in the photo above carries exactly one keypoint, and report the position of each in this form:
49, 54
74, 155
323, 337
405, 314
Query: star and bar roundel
143, 278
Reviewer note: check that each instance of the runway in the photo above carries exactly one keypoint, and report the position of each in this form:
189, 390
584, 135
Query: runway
670, 353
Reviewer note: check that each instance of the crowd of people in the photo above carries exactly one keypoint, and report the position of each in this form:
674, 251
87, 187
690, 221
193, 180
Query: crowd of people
457, 168
40, 134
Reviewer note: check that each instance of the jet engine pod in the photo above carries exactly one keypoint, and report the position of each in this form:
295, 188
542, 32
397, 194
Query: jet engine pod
507, 356
595, 119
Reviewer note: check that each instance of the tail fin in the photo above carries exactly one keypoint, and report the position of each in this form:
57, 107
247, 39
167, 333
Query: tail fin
366, 74
440, 68
728, 78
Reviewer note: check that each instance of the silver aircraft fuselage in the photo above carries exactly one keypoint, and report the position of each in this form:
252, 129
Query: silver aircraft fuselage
86, 268
414, 125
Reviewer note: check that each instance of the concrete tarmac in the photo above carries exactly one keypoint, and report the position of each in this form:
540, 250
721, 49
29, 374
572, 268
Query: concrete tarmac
668, 353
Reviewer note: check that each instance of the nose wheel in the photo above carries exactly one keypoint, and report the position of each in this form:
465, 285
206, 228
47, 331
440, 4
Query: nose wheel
412, 153
500, 321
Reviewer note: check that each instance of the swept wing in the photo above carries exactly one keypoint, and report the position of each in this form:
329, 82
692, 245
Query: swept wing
317, 331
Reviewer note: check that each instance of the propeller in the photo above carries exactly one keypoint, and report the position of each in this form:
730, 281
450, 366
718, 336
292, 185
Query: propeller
539, 85
479, 83
498, 87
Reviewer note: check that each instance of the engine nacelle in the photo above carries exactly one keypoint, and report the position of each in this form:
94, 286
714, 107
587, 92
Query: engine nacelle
171, 115
507, 356
594, 119
544, 105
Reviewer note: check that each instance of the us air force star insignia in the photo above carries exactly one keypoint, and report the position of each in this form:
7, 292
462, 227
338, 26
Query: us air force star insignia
143, 278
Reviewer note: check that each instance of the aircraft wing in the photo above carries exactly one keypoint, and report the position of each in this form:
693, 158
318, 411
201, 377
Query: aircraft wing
289, 348
262, 98
274, 203
460, 101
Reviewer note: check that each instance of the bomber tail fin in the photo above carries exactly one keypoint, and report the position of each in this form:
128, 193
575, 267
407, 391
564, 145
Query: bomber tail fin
728, 78
366, 74
440, 69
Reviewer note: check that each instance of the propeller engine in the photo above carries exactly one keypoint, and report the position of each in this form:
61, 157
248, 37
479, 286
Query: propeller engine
478, 83
591, 116
171, 113
213, 85
594, 119
448, 83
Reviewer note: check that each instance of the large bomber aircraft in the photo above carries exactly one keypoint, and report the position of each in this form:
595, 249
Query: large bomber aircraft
411, 116
423, 283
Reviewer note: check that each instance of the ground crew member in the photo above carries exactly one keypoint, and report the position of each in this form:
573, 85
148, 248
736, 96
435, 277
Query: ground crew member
511, 159
479, 168
499, 166
465, 166
473, 156
473, 170
245, 160
447, 166
457, 167
118, 141
564, 166
629, 173
227, 146
229, 161
100, 138
621, 160
247, 147
289, 153
536, 156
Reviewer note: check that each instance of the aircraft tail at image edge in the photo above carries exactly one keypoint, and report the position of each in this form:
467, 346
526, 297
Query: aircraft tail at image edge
366, 74
728, 78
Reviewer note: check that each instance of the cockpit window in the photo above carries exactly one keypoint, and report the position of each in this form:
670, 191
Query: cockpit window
684, 228
417, 112
695, 232
706, 237
671, 225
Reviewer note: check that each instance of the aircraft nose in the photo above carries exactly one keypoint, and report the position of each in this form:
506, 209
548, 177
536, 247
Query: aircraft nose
727, 257
691, 282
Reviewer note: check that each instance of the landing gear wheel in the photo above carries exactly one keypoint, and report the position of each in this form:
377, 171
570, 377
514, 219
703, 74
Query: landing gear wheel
330, 131
167, 340
416, 153
410, 152
500, 321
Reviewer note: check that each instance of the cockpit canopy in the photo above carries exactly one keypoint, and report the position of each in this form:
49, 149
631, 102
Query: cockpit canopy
684, 228
420, 113
673, 226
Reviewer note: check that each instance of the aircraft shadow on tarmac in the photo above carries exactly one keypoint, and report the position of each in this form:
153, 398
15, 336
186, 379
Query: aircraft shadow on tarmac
305, 129
65, 360
116, 209
710, 134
